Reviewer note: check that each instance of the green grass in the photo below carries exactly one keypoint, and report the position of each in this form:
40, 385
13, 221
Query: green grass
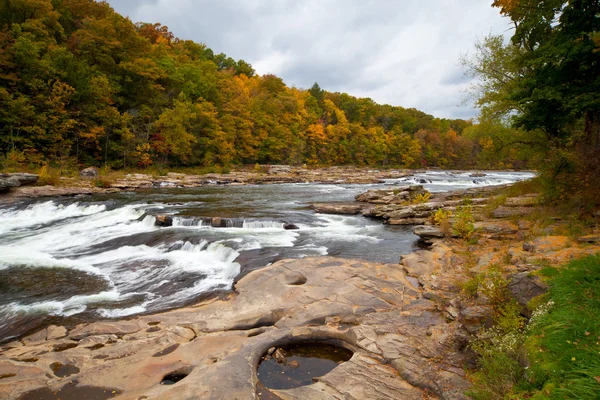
557, 355
563, 345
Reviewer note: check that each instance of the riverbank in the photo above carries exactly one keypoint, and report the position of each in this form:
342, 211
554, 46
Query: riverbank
99, 182
408, 324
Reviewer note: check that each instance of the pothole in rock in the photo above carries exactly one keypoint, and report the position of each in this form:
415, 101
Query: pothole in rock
71, 391
298, 364
172, 379
62, 370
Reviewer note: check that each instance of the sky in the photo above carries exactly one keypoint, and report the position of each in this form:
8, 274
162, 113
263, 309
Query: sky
399, 52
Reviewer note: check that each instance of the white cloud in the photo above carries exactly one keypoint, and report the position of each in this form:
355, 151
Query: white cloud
399, 52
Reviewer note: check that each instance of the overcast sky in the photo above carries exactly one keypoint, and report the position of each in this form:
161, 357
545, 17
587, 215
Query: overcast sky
399, 52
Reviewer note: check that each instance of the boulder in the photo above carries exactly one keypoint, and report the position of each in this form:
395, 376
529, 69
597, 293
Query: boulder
289, 227
21, 177
90, 173
9, 182
163, 220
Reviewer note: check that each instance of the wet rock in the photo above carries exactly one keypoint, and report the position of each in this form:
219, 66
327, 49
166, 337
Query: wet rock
163, 220
90, 173
477, 175
289, 227
402, 344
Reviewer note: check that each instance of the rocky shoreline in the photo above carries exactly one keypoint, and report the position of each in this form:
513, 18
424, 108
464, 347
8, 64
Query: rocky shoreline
407, 324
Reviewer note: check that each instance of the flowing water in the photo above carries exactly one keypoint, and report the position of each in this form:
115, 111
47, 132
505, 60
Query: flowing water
103, 257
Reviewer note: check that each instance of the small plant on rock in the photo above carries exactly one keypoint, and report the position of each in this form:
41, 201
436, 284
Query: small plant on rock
463, 225
441, 218
421, 198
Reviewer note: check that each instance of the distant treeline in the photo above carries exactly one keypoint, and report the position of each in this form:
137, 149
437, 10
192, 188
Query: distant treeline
82, 85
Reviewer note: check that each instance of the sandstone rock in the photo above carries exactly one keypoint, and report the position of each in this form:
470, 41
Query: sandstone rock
407, 221
589, 239
428, 232
21, 178
506, 212
525, 201
474, 318
163, 220
497, 227
90, 173
56, 332
337, 208
9, 182
279, 169
525, 287
402, 344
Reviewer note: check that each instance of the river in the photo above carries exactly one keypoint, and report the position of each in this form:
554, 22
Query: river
102, 256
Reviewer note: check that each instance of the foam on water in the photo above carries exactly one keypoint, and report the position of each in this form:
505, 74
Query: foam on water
43, 213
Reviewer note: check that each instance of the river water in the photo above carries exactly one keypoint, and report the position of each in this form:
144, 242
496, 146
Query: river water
103, 257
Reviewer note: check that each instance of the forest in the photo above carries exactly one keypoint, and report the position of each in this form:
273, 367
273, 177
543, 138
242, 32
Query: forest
82, 85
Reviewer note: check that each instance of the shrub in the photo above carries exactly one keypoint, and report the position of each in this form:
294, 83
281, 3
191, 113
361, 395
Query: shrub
463, 225
48, 176
421, 198
441, 218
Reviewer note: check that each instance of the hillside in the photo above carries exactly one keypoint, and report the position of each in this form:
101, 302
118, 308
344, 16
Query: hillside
82, 85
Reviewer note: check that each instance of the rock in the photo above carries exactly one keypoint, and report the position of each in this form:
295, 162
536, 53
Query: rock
476, 317
528, 247
497, 227
289, 227
56, 332
22, 178
402, 345
90, 173
9, 182
478, 175
589, 239
279, 169
524, 287
428, 232
337, 208
507, 212
218, 222
163, 220
525, 201
407, 221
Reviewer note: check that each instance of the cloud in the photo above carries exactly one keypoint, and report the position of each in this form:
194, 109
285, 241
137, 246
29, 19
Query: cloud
398, 52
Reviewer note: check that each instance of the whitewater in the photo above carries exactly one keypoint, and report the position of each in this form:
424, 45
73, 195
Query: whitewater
104, 257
